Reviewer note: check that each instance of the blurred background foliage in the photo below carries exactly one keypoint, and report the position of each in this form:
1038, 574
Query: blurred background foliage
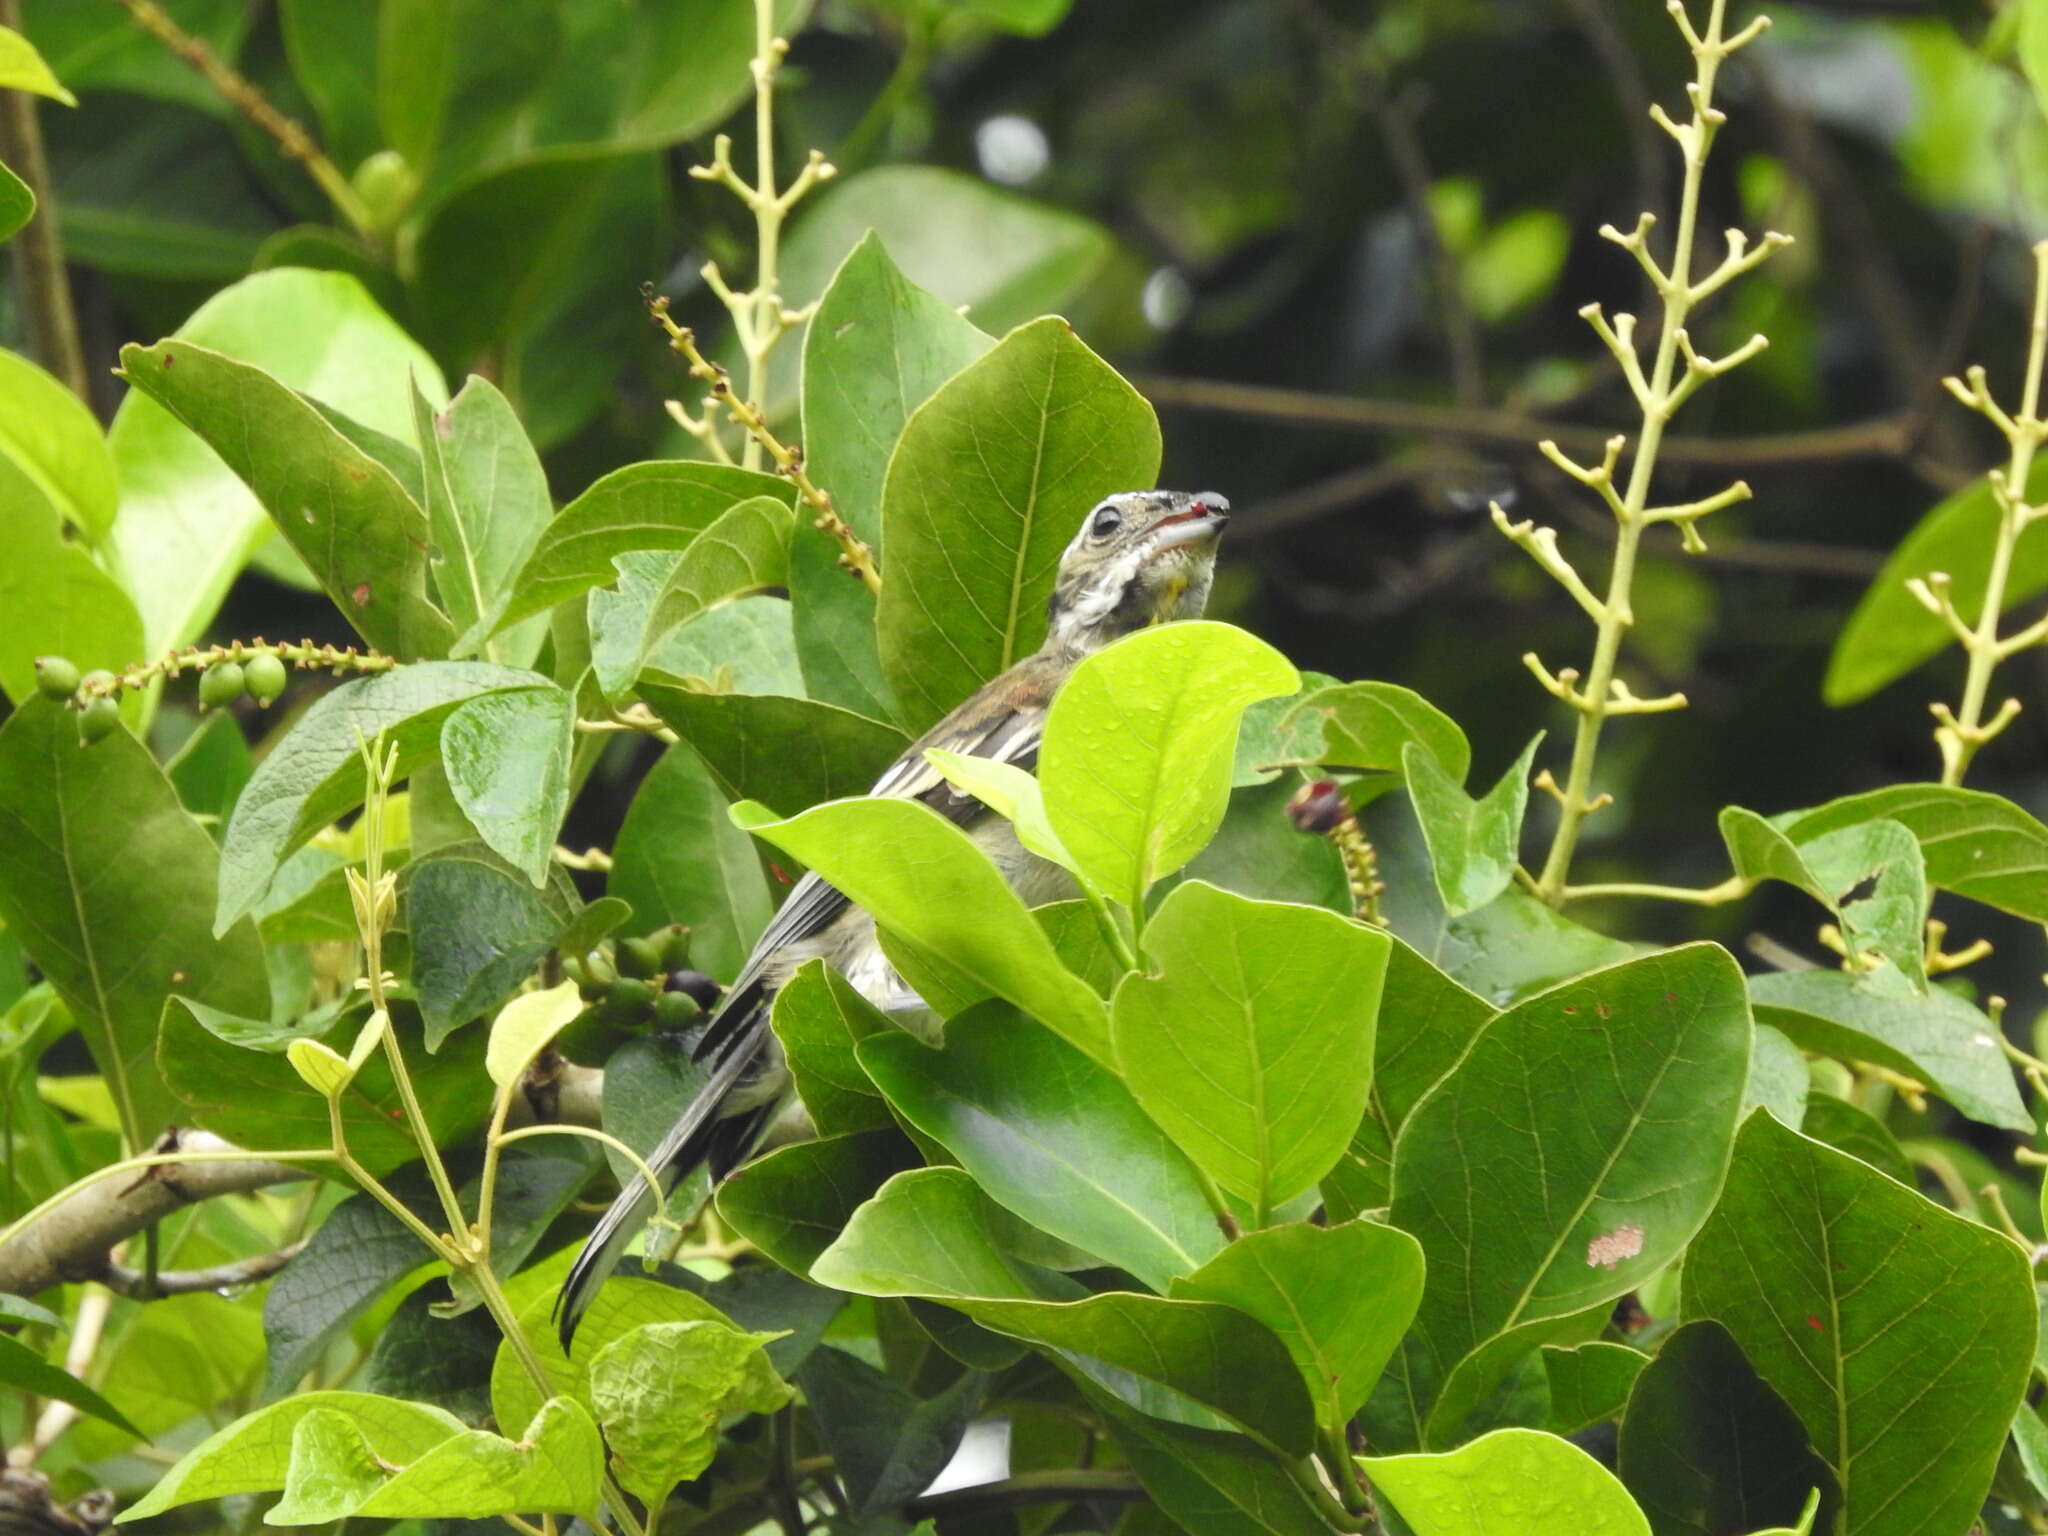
1341, 246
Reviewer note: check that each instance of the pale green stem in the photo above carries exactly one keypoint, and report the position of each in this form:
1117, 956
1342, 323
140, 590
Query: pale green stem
1961, 740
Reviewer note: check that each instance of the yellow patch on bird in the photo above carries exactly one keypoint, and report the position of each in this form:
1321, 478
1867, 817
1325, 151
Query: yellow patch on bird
1166, 599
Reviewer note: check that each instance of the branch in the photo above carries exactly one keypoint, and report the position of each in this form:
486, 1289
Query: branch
1879, 437
41, 285
123, 1281
1074, 1485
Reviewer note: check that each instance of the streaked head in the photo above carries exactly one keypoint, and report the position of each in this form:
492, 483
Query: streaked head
1140, 558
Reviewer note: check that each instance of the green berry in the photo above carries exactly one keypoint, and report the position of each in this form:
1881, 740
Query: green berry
265, 676
56, 678
675, 946
221, 684
386, 184
627, 1000
675, 1010
100, 718
639, 958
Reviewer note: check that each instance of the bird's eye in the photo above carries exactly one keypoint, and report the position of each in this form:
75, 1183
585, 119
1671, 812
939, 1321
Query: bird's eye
1105, 522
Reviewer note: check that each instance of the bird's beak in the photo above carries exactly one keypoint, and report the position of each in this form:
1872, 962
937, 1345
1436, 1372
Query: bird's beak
1201, 521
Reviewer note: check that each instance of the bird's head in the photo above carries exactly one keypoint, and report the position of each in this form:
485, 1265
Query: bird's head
1141, 558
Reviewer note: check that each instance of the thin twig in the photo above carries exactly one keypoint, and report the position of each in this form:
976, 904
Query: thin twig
42, 287
243, 95
123, 1281
1879, 437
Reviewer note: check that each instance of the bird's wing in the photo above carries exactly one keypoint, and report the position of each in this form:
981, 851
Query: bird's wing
1006, 734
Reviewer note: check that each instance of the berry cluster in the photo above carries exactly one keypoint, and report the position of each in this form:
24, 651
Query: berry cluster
644, 980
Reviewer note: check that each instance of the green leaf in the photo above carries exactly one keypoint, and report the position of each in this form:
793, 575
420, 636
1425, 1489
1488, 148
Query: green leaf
23, 1368
1571, 1153
1137, 756
253, 1454
656, 505
55, 599
745, 646
1899, 1333
679, 859
1708, 1447
1013, 794
1369, 726
1839, 1124
1936, 1037
487, 502
926, 881
556, 1466
478, 929
1890, 634
1054, 1137
322, 1068
524, 1026
1251, 1040
1426, 1021
743, 551
507, 756
1005, 257
1474, 845
315, 774
343, 511
1338, 1297
23, 69
661, 1390
106, 882
820, 1019
1778, 1076
1218, 1485
1589, 1384
793, 1203
17, 204
1977, 845
1211, 1355
1515, 945
787, 753
49, 435
1513, 1482
877, 349
1003, 462
1258, 852
887, 1444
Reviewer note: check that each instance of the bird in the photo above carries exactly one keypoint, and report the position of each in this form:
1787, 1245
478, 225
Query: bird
1139, 558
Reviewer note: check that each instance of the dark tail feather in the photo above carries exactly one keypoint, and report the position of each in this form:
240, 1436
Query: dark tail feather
700, 1135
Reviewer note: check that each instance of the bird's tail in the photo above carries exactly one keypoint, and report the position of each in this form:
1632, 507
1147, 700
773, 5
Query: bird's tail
704, 1134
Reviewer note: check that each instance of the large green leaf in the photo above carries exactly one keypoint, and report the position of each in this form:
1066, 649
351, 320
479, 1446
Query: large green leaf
746, 646
879, 348
507, 757
1005, 257
1216, 1484
47, 434
743, 551
1054, 1137
988, 482
1978, 845
187, 523
1889, 634
1426, 1021
1474, 845
1369, 726
679, 859
1252, 1042
1137, 756
1708, 1447
315, 774
1573, 1151
23, 69
820, 1019
657, 505
55, 599
787, 753
1589, 1383
661, 1390
478, 929
486, 498
1899, 1333
1338, 1297
927, 1233
1935, 1036
926, 881
343, 511
887, 1444
22, 1368
1513, 1482
793, 1203
106, 881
